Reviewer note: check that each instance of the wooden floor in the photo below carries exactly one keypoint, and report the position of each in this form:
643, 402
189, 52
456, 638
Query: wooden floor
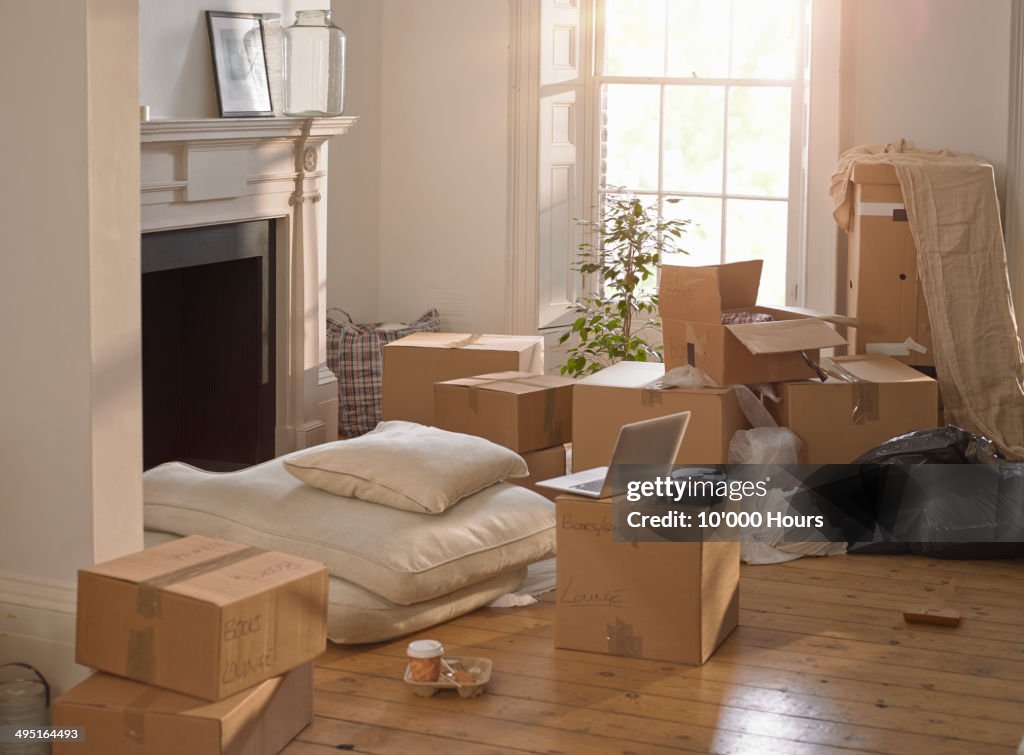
821, 662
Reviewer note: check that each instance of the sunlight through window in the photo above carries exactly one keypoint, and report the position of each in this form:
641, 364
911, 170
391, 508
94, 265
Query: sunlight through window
703, 100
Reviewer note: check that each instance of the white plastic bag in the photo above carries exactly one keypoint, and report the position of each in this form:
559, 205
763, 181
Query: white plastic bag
764, 445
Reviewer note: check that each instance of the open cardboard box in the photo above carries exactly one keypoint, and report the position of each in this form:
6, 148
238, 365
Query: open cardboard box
692, 302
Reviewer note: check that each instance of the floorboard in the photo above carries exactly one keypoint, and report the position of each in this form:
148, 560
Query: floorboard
822, 662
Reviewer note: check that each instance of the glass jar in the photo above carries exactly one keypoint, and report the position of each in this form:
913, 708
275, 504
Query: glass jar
314, 66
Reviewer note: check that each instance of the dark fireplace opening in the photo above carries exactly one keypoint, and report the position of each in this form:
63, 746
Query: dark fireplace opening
208, 363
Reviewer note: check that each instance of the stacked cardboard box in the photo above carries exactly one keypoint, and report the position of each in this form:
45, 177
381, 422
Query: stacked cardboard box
666, 601
205, 646
528, 413
413, 364
620, 394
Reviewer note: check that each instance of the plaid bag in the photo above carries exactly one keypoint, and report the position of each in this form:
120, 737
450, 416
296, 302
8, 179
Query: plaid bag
355, 356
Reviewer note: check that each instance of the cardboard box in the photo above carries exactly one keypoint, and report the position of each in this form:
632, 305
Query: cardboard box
129, 718
692, 301
203, 617
883, 291
518, 410
607, 400
544, 464
413, 364
838, 421
663, 601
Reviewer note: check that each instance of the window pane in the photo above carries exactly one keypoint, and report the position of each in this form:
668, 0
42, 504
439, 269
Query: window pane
703, 237
634, 37
765, 38
632, 136
698, 38
759, 119
758, 230
694, 125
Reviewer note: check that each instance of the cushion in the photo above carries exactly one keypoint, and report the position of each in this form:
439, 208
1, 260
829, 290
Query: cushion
407, 466
355, 615
403, 557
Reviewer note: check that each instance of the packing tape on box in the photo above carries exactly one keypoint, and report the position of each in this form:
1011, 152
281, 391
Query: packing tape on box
863, 393
140, 662
549, 414
549, 398
135, 714
148, 595
650, 397
461, 342
623, 639
864, 403
695, 346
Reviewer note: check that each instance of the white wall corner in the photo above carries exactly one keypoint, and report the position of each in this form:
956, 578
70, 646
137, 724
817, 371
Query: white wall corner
37, 626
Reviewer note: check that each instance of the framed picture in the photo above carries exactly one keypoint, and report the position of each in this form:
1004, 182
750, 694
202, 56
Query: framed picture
239, 64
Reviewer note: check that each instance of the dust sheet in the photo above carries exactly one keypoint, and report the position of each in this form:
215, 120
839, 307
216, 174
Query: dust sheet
953, 212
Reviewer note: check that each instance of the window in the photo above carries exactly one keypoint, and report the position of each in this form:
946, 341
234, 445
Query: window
704, 100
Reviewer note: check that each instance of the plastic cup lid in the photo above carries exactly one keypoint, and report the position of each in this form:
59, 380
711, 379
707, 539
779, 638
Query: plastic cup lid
425, 649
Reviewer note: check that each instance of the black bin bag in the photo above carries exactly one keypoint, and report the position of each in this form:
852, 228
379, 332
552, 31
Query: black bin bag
958, 498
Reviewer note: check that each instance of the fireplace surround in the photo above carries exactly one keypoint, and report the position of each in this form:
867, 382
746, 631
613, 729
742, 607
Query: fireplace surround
211, 172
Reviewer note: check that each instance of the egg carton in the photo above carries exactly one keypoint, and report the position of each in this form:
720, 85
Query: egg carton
478, 668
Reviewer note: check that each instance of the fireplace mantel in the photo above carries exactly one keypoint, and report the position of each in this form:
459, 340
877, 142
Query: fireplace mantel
211, 171
164, 130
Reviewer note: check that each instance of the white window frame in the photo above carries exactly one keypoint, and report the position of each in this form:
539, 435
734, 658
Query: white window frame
795, 194
811, 276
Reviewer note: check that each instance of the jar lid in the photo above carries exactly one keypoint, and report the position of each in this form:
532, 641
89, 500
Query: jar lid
425, 649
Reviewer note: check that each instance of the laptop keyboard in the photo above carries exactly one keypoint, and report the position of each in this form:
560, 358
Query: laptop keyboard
593, 486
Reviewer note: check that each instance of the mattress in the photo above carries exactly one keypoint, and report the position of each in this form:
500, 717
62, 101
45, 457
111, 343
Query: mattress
356, 616
404, 557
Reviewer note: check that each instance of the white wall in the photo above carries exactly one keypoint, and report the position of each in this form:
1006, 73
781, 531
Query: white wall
353, 197
175, 70
70, 418
933, 71
444, 161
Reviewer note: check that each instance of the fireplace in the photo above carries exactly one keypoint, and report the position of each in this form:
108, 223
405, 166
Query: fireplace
234, 281
208, 362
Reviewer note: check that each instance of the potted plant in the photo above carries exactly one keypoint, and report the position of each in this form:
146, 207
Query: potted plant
629, 241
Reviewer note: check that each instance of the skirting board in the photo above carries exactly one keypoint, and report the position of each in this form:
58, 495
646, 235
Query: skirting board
37, 626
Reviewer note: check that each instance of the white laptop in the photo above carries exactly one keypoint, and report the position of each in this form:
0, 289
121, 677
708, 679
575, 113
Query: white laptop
652, 443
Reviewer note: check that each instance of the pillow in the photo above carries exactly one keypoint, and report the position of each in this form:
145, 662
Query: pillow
403, 557
407, 466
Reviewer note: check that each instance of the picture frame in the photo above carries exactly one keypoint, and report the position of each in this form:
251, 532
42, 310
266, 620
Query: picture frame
239, 64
